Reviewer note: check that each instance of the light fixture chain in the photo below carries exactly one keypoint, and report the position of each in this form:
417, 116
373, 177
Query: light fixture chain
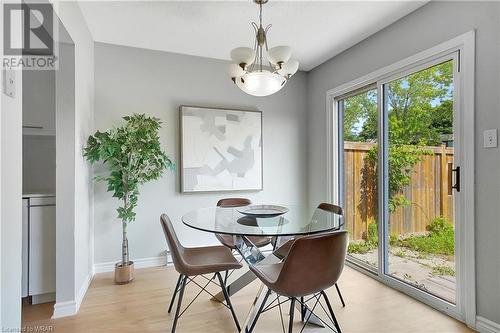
260, 14
260, 28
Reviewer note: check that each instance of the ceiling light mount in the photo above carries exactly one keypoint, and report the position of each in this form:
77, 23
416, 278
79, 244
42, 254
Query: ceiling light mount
250, 73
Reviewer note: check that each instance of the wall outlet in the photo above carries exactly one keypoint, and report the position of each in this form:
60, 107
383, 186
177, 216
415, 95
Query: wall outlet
490, 138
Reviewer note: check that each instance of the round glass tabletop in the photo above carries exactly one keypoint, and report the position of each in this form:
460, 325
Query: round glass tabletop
298, 220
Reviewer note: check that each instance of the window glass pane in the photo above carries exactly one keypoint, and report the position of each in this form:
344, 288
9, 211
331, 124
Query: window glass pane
359, 176
420, 158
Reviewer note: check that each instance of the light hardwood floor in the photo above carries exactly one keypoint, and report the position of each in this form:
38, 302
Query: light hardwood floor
142, 307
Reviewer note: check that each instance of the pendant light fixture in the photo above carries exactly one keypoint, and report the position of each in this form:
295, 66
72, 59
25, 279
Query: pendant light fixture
256, 76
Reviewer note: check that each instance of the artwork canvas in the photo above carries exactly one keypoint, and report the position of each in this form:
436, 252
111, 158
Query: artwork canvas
221, 149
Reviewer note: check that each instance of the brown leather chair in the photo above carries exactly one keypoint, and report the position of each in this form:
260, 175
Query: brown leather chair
331, 208
227, 240
190, 262
283, 250
302, 274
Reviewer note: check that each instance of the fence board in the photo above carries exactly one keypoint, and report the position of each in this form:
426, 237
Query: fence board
428, 192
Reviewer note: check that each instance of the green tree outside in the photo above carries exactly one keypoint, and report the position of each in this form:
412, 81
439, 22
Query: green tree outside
420, 113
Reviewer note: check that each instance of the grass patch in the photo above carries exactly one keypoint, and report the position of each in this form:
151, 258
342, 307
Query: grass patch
443, 270
443, 244
360, 247
422, 256
440, 240
401, 254
367, 245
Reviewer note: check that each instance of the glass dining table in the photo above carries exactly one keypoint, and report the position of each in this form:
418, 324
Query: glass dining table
296, 221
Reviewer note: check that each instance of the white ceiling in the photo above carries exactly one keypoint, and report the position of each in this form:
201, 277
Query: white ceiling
316, 30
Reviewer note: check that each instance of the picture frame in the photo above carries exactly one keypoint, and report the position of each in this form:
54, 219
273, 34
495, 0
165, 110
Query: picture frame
221, 149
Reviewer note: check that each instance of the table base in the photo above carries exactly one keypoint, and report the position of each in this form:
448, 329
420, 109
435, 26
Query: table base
252, 255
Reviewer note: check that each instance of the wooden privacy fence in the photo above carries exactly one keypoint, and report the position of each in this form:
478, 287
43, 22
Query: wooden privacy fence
428, 192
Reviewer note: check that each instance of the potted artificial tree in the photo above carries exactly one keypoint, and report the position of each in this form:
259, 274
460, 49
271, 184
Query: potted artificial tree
134, 156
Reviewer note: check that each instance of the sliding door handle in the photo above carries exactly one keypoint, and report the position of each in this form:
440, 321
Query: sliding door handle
452, 170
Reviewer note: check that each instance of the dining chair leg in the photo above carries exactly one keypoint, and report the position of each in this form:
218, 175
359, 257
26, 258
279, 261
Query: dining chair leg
335, 322
302, 309
225, 277
228, 301
179, 303
274, 242
340, 295
175, 293
292, 311
262, 305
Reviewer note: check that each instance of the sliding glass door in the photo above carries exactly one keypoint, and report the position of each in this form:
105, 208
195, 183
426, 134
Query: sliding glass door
399, 177
418, 112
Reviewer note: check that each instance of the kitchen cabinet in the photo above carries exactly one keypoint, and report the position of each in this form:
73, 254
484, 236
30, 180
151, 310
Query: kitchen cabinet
39, 103
39, 273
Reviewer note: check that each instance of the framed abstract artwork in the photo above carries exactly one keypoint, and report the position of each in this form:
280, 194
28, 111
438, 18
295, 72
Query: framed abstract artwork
221, 149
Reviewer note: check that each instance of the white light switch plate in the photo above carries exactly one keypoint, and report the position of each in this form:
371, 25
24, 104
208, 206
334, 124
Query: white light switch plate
9, 83
490, 138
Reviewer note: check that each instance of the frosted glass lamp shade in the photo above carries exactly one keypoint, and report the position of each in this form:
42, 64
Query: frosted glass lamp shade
279, 54
235, 71
260, 83
243, 55
289, 68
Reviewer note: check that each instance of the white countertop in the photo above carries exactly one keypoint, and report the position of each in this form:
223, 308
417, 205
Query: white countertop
38, 194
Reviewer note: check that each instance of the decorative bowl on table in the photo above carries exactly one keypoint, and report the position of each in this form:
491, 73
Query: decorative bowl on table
262, 210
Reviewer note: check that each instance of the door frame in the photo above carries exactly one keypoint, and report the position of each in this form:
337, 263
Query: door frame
464, 45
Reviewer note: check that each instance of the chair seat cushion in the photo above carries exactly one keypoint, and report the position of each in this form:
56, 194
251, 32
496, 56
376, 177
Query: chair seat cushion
204, 260
283, 250
267, 273
259, 241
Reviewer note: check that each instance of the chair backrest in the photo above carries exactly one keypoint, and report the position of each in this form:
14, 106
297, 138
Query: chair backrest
175, 246
330, 208
233, 202
314, 263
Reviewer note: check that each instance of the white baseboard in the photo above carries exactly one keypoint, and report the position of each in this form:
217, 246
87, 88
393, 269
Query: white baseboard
70, 308
83, 290
484, 325
105, 267
64, 309
138, 263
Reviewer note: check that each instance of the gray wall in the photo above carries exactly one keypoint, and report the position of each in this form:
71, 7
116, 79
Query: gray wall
74, 122
65, 190
129, 80
430, 25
